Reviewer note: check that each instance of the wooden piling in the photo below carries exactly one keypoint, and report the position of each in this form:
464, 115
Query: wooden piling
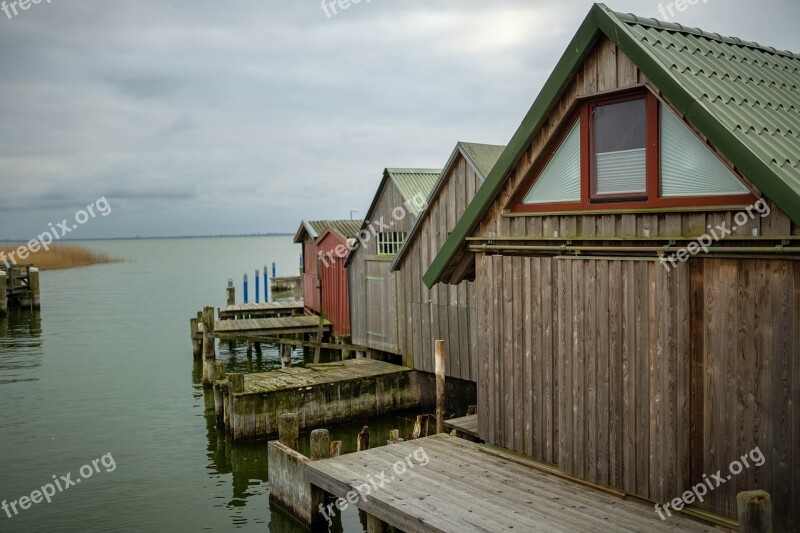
336, 448
289, 430
258, 349
394, 436
375, 525
755, 511
286, 356
197, 341
219, 399
3, 294
320, 444
231, 293
363, 439
440, 397
33, 284
209, 346
235, 383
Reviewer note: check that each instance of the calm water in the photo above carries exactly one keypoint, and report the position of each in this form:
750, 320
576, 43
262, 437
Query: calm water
106, 368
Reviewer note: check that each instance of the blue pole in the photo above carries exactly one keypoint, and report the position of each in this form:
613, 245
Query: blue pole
266, 285
245, 288
258, 289
273, 270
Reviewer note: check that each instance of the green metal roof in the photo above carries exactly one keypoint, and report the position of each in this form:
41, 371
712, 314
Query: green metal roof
482, 157
314, 228
414, 183
744, 97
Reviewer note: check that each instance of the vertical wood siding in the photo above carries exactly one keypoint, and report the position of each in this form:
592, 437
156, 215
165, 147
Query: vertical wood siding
335, 286
644, 379
444, 312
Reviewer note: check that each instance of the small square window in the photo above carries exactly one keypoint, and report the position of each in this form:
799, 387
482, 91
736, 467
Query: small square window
619, 158
390, 242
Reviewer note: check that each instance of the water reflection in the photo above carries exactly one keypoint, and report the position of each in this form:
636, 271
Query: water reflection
247, 465
20, 346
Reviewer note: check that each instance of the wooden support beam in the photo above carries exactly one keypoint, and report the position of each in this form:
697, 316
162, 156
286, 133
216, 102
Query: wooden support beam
289, 430
755, 512
3, 294
363, 439
320, 444
209, 346
440, 396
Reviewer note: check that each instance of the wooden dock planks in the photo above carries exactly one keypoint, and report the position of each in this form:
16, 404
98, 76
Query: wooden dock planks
466, 488
268, 326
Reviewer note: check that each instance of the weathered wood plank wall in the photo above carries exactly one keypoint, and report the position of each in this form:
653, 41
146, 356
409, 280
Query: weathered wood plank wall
631, 376
373, 289
446, 312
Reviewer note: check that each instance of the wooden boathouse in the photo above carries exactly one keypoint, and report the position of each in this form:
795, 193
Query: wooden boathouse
309, 235
444, 312
333, 247
636, 260
401, 197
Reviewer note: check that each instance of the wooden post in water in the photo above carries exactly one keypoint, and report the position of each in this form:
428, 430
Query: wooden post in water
258, 349
336, 448
231, 293
286, 356
219, 400
289, 430
33, 283
3, 294
755, 511
320, 444
440, 397
209, 346
363, 439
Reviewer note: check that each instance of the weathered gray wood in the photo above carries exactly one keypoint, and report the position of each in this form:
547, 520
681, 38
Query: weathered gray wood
363, 439
236, 383
231, 293
289, 430
440, 385
754, 511
320, 444
3, 293
209, 346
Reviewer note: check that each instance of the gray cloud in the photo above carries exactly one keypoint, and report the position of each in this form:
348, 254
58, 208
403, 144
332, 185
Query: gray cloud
264, 112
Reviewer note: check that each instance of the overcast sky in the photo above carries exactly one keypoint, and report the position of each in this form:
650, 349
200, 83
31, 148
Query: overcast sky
222, 117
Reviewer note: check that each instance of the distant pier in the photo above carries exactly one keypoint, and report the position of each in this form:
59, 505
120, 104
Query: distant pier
19, 288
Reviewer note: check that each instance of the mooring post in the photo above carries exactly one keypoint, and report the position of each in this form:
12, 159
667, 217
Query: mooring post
3, 294
440, 407
266, 285
289, 430
244, 287
258, 348
231, 293
249, 348
286, 356
197, 343
258, 287
219, 400
363, 439
209, 346
274, 275
755, 511
320, 444
33, 284
394, 436
336, 448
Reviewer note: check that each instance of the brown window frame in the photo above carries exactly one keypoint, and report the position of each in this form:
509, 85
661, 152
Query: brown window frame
590, 201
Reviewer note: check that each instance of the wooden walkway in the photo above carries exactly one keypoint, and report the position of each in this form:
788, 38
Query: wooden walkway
268, 327
468, 425
261, 310
466, 488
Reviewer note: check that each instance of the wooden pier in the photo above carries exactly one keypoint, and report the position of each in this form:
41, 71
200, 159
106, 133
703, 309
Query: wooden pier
468, 487
261, 310
466, 426
19, 288
248, 405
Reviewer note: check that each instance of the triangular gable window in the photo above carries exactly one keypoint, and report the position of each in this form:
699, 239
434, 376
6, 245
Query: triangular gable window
688, 168
628, 150
560, 181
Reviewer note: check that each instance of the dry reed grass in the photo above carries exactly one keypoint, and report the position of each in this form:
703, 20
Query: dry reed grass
60, 256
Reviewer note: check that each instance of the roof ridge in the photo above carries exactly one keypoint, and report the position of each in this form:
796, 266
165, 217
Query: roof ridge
630, 18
